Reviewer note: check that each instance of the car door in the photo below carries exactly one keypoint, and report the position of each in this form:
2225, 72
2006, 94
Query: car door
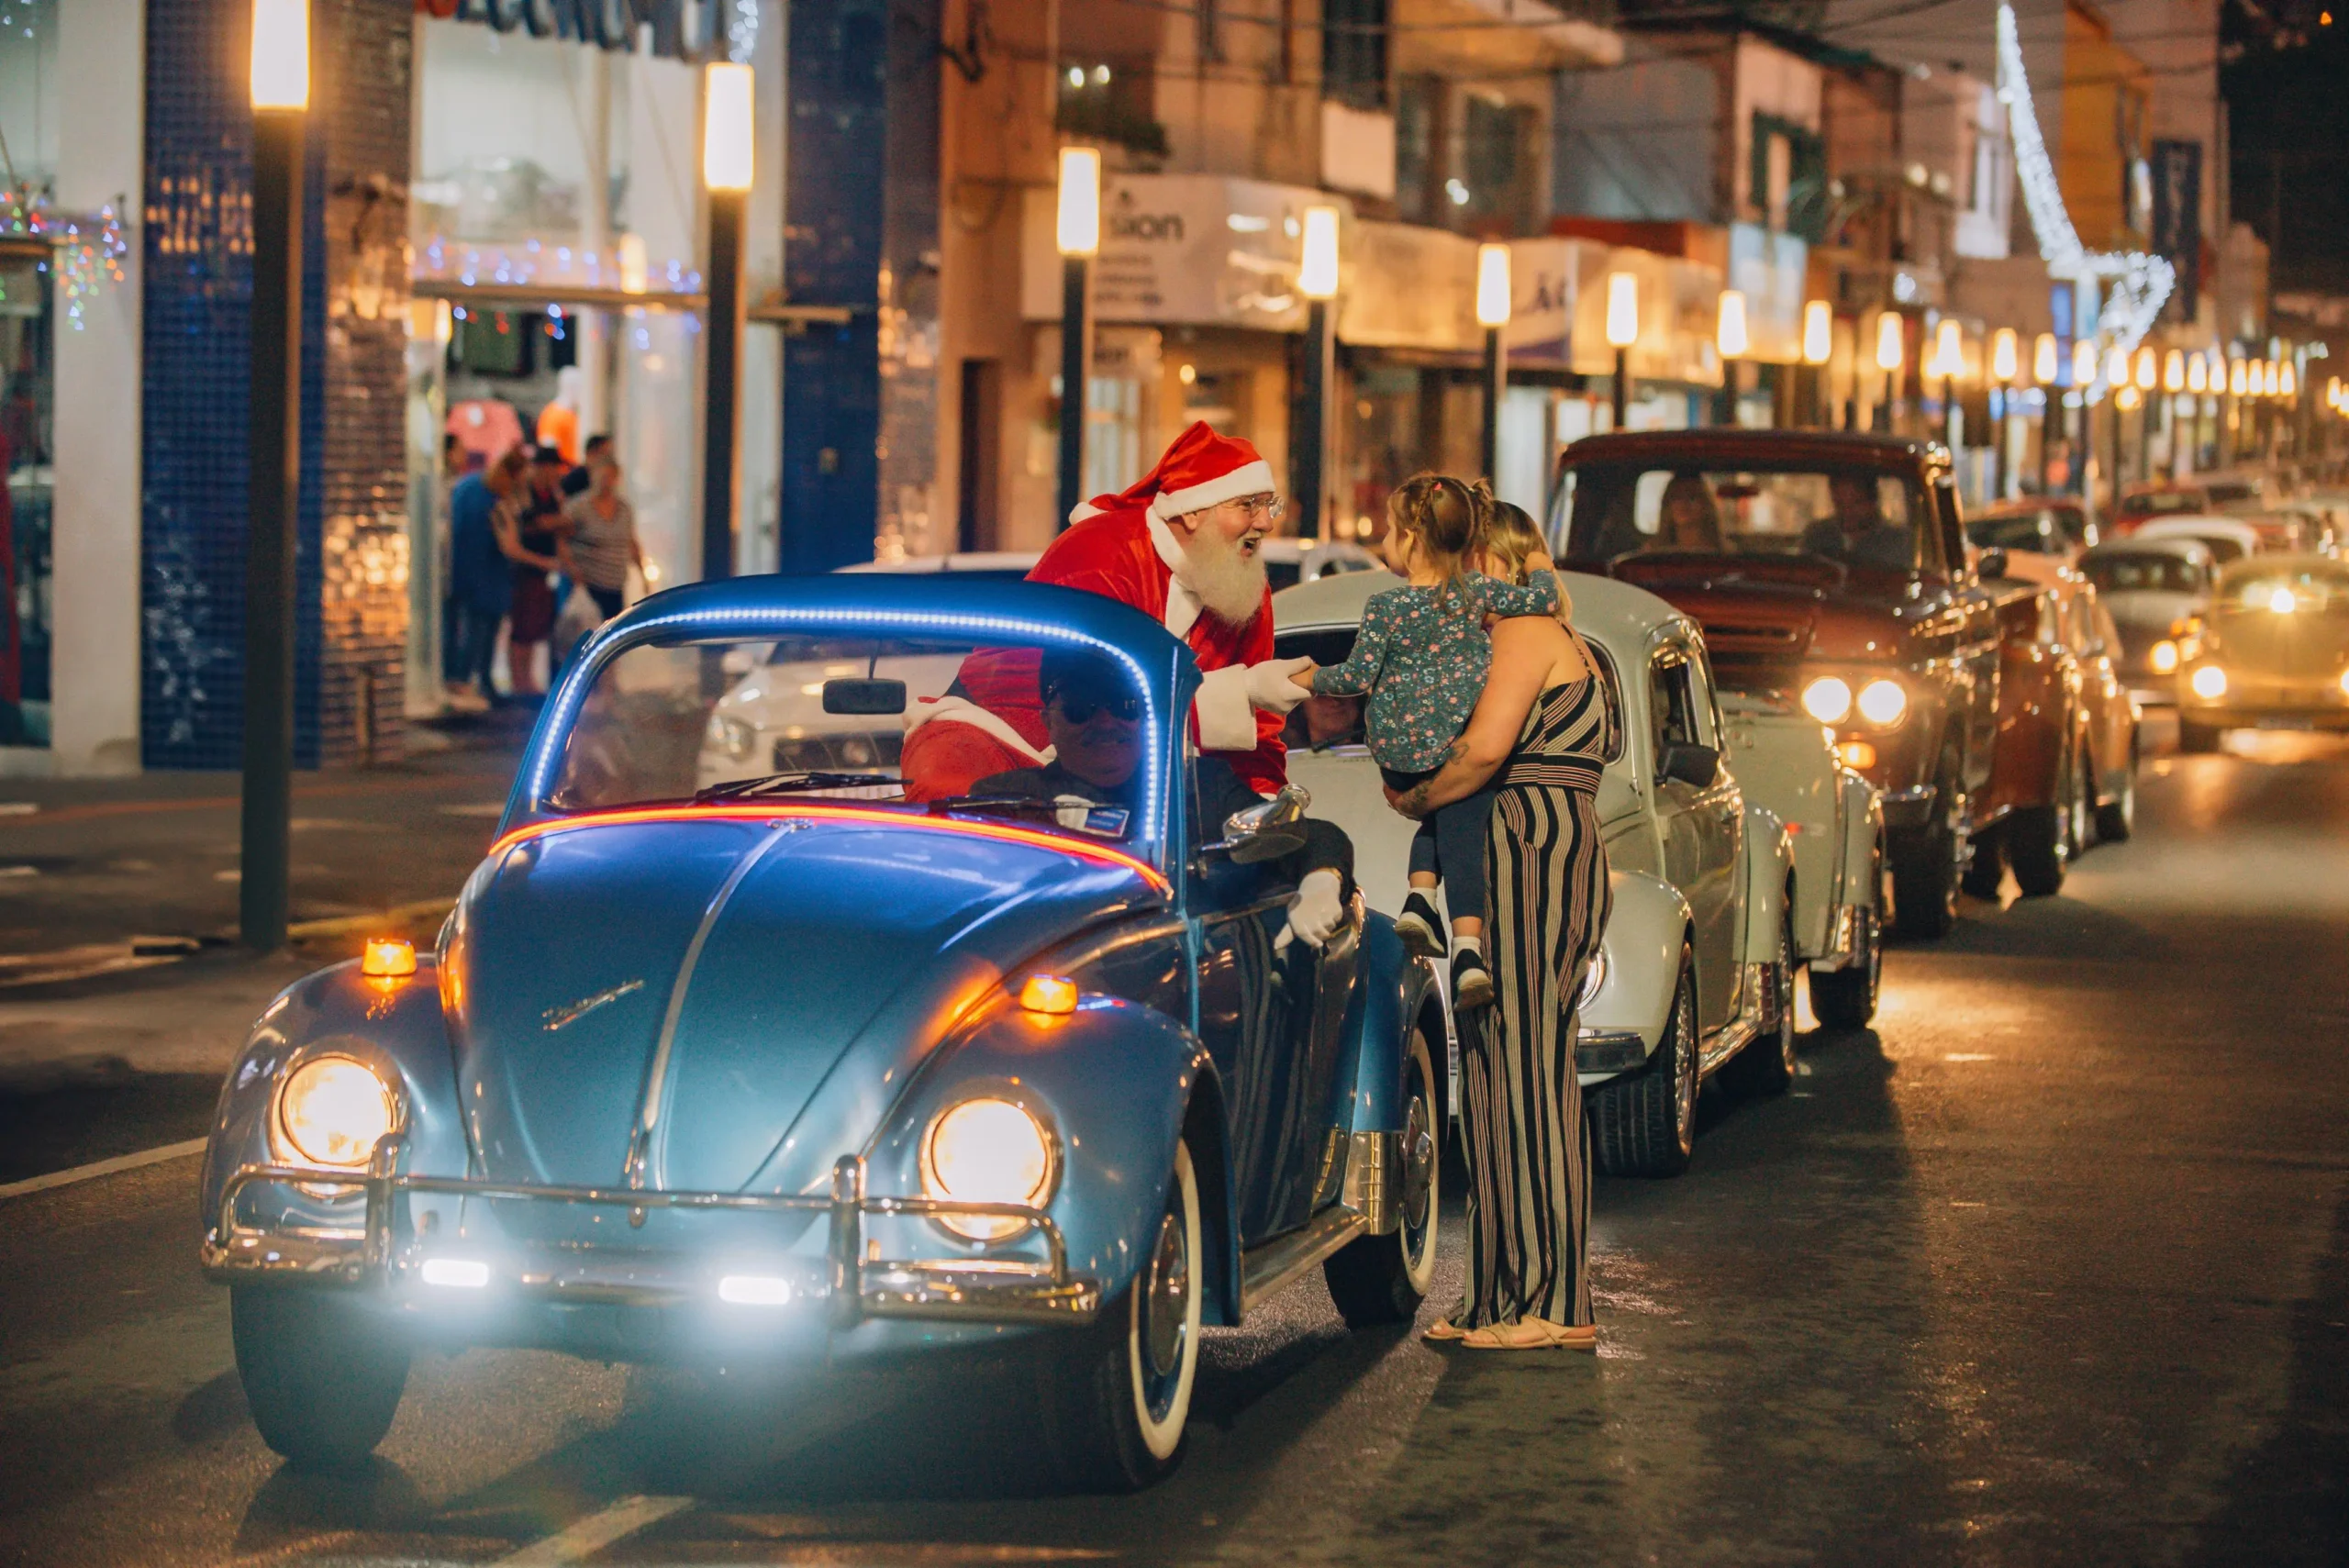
1272, 1015
1700, 828
1974, 649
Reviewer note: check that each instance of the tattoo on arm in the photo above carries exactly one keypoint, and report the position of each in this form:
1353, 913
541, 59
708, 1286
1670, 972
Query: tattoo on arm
1416, 798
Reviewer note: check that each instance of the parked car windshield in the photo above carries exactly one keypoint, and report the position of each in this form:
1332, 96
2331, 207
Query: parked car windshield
828, 717
2149, 573
1860, 517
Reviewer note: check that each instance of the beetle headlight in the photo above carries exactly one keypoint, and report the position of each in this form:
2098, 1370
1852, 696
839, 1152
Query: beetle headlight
1592, 979
1883, 703
2210, 682
988, 1150
333, 1111
1828, 699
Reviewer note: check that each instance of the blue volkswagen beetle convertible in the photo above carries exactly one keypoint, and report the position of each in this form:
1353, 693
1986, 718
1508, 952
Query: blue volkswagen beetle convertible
785, 1065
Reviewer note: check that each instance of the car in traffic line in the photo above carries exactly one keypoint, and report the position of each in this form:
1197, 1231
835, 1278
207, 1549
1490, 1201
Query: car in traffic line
2151, 587
2055, 526
2228, 538
788, 1069
1828, 569
2269, 651
1695, 966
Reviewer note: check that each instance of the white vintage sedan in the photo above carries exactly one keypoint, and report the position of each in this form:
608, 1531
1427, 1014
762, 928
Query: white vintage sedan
1694, 972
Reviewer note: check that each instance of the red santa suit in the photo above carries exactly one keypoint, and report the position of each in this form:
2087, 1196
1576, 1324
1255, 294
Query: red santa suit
1122, 546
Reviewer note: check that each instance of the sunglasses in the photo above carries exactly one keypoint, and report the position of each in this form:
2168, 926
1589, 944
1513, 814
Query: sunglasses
1078, 710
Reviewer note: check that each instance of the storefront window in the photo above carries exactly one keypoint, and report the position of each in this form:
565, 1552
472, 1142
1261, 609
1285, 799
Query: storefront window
27, 410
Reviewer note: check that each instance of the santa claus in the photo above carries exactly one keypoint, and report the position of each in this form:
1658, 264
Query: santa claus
1180, 545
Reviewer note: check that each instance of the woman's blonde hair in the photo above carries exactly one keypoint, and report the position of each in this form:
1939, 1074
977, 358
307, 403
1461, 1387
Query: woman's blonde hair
1445, 517
1511, 538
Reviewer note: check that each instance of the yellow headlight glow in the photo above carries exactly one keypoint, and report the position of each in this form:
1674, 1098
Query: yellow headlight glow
333, 1111
1856, 755
1883, 703
2345, 683
987, 1151
2163, 658
2210, 682
2280, 602
1828, 699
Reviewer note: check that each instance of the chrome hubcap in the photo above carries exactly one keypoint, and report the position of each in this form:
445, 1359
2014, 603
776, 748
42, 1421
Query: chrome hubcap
1684, 1028
1418, 1172
1166, 1299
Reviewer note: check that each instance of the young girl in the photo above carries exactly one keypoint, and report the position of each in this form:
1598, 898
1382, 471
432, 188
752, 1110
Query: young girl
1422, 655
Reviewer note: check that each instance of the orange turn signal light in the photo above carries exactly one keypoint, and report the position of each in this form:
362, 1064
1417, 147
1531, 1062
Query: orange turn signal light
388, 957
1856, 755
1053, 993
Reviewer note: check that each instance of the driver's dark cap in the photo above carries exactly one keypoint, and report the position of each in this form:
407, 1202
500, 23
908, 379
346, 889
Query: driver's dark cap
1081, 674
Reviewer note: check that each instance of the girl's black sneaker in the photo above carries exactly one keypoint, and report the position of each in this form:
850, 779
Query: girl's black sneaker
1471, 983
1420, 927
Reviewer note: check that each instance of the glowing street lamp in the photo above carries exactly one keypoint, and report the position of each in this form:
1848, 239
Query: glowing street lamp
280, 88
2288, 382
726, 160
1948, 358
2198, 373
1623, 332
2004, 366
1732, 338
1817, 347
1317, 279
1891, 353
2046, 362
1492, 315
1076, 229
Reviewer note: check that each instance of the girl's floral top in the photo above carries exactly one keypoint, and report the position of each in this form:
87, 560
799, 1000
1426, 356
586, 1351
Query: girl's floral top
1422, 655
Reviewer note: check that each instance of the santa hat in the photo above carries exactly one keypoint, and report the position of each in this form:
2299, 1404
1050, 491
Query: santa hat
1200, 469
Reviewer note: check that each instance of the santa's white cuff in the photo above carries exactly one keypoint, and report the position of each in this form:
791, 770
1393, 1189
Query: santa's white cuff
1227, 718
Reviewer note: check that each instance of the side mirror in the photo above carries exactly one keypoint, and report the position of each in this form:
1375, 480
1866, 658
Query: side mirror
1264, 832
1694, 765
1993, 562
860, 695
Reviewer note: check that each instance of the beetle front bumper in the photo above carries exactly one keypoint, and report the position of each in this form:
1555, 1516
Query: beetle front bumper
852, 1286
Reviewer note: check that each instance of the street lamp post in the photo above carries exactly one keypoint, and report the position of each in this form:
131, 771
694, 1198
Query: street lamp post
1817, 347
726, 171
2046, 369
2003, 372
1317, 279
1730, 335
281, 99
1948, 354
1492, 315
2116, 381
1623, 332
2173, 387
2148, 377
2238, 387
1077, 231
1891, 350
2083, 381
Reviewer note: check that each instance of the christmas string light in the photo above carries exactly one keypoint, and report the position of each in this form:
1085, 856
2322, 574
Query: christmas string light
90, 246
2140, 283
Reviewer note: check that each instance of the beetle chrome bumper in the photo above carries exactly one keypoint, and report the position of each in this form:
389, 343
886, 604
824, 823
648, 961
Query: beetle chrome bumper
853, 1287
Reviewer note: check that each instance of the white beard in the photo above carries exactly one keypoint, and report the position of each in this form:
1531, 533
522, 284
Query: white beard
1228, 583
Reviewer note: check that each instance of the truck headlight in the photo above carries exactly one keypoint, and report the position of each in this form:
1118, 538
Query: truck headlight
1828, 699
1883, 703
988, 1150
2345, 683
2210, 682
333, 1111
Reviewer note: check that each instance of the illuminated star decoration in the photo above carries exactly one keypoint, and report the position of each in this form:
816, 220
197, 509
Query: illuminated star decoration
2140, 283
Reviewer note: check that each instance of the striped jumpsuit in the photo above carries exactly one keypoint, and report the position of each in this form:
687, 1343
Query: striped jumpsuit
1528, 1146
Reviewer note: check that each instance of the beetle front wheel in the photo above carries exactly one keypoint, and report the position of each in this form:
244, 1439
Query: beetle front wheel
1383, 1279
1117, 1402
321, 1381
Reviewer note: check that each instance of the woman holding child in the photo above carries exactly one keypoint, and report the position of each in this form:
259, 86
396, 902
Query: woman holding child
1488, 715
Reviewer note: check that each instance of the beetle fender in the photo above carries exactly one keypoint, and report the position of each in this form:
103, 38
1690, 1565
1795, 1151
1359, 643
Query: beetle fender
1391, 991
1645, 932
1769, 863
1863, 826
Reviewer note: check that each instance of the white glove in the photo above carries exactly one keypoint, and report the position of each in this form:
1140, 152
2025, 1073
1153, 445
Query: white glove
1317, 910
1269, 688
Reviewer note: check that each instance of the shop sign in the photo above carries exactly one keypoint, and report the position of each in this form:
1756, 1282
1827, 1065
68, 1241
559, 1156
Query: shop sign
691, 30
1558, 316
1179, 250
1408, 287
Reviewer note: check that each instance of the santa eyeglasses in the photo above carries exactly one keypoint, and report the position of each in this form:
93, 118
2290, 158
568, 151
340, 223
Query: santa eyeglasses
1267, 509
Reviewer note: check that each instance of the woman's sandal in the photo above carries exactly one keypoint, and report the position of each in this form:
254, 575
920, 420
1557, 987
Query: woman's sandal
1444, 1331
1534, 1334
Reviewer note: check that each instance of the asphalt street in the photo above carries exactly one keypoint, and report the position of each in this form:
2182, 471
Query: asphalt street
2049, 1266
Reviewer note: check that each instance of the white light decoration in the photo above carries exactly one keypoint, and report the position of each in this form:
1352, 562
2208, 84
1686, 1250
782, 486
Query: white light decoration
1622, 309
1730, 334
2140, 283
1817, 333
725, 127
1492, 286
1077, 218
1316, 272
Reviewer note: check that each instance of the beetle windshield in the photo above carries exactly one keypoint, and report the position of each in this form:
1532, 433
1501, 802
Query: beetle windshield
844, 716
1859, 517
2148, 573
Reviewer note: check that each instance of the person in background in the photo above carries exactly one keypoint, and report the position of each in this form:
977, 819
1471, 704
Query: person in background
530, 523
1688, 519
601, 544
481, 578
576, 483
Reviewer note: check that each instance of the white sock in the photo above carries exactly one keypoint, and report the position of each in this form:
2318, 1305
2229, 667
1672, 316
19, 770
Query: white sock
1468, 944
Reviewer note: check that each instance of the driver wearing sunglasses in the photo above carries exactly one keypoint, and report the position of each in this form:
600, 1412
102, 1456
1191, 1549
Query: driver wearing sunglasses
1093, 717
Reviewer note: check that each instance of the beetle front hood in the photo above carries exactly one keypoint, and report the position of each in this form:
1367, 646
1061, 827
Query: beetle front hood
750, 992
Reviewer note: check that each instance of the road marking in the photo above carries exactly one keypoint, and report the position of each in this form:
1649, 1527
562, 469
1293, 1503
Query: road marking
584, 1538
103, 1168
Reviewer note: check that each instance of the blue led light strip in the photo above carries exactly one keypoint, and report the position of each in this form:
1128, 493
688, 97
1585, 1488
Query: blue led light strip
756, 621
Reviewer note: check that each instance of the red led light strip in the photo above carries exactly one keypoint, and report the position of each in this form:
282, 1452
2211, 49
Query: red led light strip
1002, 832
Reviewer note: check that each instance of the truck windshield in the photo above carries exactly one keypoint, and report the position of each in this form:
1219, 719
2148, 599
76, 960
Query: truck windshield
1861, 518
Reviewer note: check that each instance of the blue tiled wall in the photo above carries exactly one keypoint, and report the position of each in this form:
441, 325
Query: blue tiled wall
195, 389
